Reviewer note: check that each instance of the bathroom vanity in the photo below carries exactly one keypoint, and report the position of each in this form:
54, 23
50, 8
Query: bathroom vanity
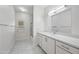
58, 44
65, 19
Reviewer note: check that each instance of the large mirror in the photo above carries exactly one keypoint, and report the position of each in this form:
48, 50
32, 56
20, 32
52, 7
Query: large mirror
61, 21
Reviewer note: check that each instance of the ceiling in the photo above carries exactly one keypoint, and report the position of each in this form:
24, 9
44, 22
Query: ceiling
24, 8
29, 8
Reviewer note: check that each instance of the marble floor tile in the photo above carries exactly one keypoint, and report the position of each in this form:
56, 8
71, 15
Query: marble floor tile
26, 47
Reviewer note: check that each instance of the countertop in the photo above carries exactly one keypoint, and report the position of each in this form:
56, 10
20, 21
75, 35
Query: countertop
72, 41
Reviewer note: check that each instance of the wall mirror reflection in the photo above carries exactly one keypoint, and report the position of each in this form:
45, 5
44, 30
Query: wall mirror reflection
61, 19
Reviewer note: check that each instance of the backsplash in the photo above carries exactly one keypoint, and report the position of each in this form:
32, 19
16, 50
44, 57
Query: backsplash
63, 29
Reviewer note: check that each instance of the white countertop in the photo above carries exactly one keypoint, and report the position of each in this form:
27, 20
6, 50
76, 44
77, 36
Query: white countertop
65, 39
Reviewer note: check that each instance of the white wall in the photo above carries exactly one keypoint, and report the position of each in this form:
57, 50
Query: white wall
38, 19
7, 28
75, 19
6, 15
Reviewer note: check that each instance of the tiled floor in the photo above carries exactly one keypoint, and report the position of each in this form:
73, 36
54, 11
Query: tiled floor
26, 47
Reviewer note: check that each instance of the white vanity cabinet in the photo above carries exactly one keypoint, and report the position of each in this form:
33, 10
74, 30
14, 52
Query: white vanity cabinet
47, 44
62, 48
40, 38
50, 45
44, 43
59, 50
53, 44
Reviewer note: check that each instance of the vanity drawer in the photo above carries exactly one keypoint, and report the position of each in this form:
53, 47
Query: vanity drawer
67, 48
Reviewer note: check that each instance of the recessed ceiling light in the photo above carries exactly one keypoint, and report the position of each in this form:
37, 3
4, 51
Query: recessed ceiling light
23, 9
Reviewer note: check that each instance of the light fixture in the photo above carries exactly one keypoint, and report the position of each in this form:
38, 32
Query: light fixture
23, 9
57, 10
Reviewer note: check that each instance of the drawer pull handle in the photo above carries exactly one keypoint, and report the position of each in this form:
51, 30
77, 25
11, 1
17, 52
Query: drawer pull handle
65, 47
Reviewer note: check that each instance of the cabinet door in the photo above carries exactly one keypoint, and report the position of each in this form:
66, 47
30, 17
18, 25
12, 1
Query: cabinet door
50, 46
44, 43
61, 51
40, 39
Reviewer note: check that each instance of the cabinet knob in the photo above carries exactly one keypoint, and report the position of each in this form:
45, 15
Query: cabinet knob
46, 39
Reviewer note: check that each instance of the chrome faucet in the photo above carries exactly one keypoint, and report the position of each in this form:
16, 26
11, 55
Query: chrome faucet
55, 29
